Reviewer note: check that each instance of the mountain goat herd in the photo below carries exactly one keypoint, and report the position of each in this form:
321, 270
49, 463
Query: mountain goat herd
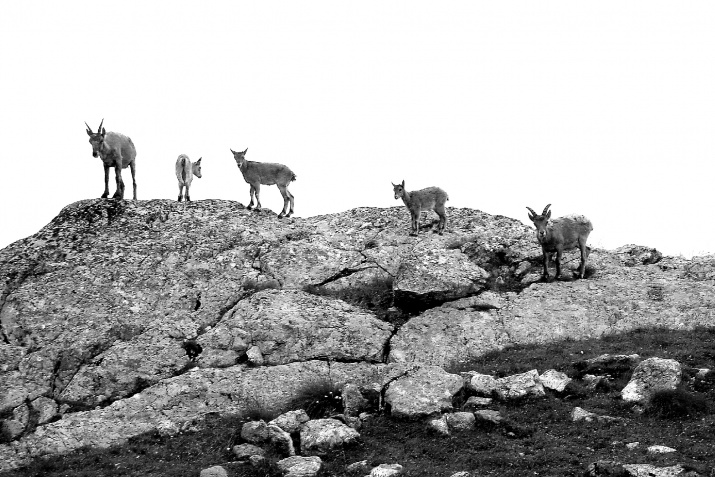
117, 150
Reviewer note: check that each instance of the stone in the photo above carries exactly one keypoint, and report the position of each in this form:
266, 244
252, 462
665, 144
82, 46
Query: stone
46, 409
591, 382
386, 470
460, 421
254, 355
439, 425
353, 401
445, 336
482, 384
520, 385
429, 276
463, 473
475, 402
257, 460
11, 429
580, 414
488, 416
660, 450
291, 421
319, 436
215, 471
300, 466
648, 470
632, 445
555, 380
281, 440
359, 467
651, 375
244, 451
255, 432
428, 390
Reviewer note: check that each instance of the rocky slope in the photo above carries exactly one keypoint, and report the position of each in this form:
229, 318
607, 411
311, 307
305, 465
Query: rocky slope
96, 308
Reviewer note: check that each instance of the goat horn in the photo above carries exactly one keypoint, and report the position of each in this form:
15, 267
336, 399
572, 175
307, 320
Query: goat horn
100, 125
546, 209
88, 128
532, 211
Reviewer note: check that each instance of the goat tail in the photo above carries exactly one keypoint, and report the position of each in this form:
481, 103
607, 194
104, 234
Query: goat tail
183, 169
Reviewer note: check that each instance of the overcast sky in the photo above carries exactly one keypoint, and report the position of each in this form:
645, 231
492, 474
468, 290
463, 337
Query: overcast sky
601, 108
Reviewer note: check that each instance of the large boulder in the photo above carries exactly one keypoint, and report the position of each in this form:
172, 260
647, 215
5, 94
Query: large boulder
319, 436
425, 391
651, 375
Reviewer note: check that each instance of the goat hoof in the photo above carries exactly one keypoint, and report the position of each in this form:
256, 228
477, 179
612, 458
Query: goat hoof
249, 207
280, 216
104, 196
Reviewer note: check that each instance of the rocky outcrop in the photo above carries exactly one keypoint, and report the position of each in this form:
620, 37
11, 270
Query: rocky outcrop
653, 374
97, 307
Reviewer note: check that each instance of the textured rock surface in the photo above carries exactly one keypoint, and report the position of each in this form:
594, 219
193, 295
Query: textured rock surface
651, 375
556, 380
520, 385
96, 307
291, 421
427, 390
319, 436
299, 466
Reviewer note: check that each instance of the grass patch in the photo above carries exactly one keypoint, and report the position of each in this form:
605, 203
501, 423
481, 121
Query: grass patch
319, 400
676, 403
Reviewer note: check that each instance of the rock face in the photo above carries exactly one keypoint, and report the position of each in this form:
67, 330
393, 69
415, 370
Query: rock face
97, 308
319, 436
651, 375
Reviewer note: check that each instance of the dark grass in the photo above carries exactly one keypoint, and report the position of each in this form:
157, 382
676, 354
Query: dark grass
319, 400
538, 437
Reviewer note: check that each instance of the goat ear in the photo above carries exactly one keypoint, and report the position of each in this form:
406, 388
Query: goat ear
403, 184
104, 131
244, 152
199, 160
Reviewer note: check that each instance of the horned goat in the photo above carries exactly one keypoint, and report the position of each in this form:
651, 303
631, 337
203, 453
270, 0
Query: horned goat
117, 151
564, 233
266, 173
185, 172
431, 198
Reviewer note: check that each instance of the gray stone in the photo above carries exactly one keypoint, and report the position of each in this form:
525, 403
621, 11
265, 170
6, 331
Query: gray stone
520, 385
552, 379
319, 436
660, 450
46, 409
300, 466
460, 421
244, 451
353, 401
255, 432
291, 421
580, 414
474, 402
358, 467
488, 416
483, 384
215, 471
648, 470
651, 375
386, 470
428, 390
281, 440
439, 425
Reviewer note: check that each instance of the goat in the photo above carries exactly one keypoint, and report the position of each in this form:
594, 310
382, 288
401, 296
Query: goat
416, 201
564, 233
117, 151
266, 173
185, 172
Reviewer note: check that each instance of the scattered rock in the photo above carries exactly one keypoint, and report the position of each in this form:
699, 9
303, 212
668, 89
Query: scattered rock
319, 436
299, 466
460, 421
359, 467
255, 432
353, 400
660, 450
651, 375
281, 440
483, 384
580, 414
648, 470
428, 390
488, 416
632, 445
244, 451
291, 421
520, 385
440, 425
215, 471
475, 402
386, 470
552, 379
463, 473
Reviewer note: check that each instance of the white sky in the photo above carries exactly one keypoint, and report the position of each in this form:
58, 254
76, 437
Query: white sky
601, 108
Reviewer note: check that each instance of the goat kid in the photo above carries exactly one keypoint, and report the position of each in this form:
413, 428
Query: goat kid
185, 172
564, 233
117, 151
266, 173
431, 198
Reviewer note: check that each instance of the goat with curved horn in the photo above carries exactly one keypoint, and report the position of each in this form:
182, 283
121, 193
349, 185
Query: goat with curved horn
116, 150
564, 233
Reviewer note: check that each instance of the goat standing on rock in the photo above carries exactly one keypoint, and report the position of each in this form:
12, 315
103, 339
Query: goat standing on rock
419, 200
117, 151
564, 233
267, 173
185, 172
